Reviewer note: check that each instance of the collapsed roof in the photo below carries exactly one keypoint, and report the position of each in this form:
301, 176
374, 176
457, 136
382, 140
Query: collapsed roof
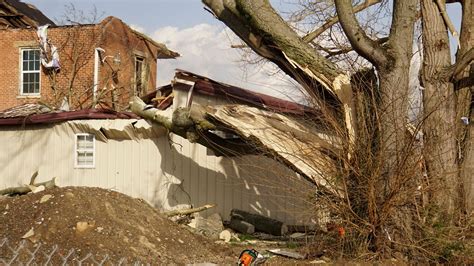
16, 14
283, 130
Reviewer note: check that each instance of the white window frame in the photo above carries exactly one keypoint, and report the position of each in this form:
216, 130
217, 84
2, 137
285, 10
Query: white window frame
22, 49
76, 151
142, 60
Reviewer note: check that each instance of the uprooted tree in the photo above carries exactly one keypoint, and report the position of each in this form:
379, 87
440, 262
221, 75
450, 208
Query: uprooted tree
405, 184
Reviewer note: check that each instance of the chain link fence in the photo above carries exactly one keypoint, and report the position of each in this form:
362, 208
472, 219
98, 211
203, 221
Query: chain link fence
24, 253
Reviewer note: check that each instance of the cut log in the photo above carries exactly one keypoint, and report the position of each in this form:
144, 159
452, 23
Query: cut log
189, 211
261, 223
302, 228
241, 226
27, 189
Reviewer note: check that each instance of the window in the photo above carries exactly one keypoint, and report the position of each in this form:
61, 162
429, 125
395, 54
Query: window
30, 72
139, 75
85, 151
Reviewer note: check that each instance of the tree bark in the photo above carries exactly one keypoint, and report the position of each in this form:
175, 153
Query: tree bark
439, 104
464, 93
241, 226
261, 223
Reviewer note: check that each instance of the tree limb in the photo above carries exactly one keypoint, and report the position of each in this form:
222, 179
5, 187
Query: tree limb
362, 44
330, 22
27, 188
188, 211
461, 64
447, 20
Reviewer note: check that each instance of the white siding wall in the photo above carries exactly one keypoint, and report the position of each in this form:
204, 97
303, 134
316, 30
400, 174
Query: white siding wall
167, 176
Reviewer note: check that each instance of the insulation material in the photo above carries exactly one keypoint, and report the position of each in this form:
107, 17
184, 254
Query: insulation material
291, 141
49, 52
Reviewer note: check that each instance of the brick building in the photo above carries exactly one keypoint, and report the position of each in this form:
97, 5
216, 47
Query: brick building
101, 65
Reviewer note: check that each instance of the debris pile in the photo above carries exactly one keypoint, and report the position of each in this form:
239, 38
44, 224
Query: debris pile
99, 221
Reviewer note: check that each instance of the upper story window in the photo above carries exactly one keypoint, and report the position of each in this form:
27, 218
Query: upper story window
30, 71
85, 151
139, 75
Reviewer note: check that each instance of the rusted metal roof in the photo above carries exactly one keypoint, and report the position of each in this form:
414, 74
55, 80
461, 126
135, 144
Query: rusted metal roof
40, 114
207, 86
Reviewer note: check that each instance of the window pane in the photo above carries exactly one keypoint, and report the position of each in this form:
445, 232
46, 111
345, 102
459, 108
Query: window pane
26, 77
36, 54
36, 90
25, 55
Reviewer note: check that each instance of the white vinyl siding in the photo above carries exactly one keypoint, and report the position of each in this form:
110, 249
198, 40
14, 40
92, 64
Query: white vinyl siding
30, 71
85, 151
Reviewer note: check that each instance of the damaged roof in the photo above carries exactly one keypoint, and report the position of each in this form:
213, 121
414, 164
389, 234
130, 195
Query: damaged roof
17, 14
206, 86
295, 142
40, 114
283, 130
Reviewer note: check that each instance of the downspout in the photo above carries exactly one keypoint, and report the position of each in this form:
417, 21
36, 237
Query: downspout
96, 75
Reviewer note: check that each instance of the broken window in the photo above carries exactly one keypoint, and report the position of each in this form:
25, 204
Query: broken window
30, 71
85, 151
139, 75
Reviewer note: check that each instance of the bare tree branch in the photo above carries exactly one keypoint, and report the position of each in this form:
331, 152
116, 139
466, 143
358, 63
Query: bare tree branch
462, 63
313, 35
365, 46
448, 21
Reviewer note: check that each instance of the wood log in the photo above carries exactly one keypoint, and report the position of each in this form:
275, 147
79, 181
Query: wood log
188, 211
261, 223
301, 228
26, 189
240, 226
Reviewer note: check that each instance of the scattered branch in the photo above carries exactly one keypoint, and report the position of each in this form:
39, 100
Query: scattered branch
27, 188
188, 211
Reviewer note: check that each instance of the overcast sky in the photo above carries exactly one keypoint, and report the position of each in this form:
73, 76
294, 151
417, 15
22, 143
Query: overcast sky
203, 41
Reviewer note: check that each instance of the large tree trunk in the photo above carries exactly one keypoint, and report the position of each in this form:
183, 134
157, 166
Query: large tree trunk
439, 105
464, 90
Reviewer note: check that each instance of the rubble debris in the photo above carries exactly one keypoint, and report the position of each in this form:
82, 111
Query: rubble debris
210, 227
28, 234
261, 223
45, 198
225, 235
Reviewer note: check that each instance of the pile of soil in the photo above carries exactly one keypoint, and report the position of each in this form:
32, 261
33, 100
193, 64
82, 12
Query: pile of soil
103, 222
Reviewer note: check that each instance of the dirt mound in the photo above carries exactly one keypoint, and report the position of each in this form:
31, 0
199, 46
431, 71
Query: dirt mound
98, 221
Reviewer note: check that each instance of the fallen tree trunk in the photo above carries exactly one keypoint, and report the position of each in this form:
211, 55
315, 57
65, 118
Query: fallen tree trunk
27, 188
261, 223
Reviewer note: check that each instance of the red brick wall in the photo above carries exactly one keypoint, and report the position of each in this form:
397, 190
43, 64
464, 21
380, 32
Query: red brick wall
76, 50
